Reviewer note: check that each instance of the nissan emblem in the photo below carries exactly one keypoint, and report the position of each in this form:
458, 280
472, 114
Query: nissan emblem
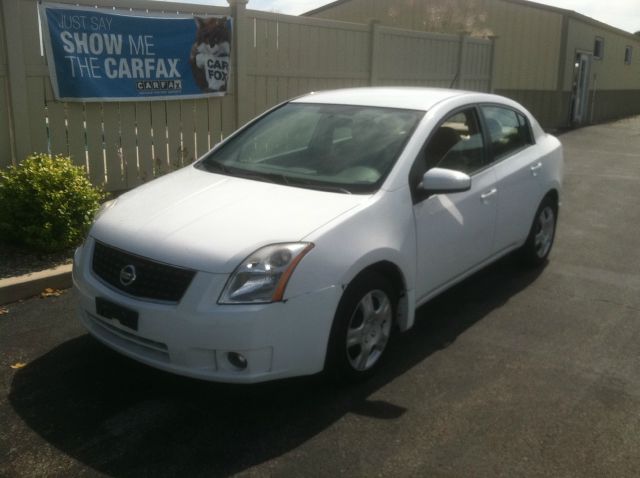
127, 275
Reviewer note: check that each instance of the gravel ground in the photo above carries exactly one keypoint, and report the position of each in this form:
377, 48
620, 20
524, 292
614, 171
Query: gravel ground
16, 262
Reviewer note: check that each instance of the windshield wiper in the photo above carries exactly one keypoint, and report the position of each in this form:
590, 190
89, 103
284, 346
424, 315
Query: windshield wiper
320, 186
274, 178
212, 165
255, 176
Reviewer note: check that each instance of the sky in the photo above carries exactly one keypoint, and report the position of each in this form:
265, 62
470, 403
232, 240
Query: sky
623, 14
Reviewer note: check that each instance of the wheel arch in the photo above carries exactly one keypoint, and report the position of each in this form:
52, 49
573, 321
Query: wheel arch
360, 280
528, 252
554, 194
392, 271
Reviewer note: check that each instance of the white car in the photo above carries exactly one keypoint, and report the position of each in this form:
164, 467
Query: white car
302, 240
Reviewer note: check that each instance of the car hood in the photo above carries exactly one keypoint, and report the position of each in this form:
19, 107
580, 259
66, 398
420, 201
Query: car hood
211, 222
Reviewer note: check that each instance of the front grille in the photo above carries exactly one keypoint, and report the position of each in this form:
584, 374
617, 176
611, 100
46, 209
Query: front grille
153, 280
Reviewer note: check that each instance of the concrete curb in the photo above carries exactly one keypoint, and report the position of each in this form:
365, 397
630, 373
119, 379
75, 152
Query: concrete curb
28, 285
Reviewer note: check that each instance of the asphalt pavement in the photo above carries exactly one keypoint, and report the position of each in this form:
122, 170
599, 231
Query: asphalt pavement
511, 373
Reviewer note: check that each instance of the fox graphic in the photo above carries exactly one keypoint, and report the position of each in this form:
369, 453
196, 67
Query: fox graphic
210, 54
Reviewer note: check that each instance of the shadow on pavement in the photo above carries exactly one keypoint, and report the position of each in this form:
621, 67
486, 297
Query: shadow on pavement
122, 418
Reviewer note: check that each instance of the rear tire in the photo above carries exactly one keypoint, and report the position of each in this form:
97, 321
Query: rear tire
361, 328
536, 249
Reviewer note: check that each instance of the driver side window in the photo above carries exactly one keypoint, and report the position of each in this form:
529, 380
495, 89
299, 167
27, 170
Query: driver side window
457, 144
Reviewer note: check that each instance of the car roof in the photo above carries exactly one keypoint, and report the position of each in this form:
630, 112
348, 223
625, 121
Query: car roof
388, 97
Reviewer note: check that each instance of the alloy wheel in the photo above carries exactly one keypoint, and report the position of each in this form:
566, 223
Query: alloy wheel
544, 231
368, 330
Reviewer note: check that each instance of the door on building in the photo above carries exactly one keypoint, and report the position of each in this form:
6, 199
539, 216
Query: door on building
580, 96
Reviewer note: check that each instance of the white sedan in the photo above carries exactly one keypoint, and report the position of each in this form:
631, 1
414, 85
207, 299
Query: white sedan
304, 239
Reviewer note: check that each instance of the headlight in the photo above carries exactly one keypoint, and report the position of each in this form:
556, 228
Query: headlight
263, 276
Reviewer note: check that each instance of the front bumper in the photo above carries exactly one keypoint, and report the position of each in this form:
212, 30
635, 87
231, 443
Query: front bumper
195, 336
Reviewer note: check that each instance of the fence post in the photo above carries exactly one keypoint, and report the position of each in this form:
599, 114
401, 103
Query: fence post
240, 35
375, 52
492, 62
17, 74
461, 53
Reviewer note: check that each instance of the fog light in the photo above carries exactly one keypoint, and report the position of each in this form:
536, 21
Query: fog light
237, 360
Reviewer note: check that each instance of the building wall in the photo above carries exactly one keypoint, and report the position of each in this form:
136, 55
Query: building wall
526, 52
610, 72
614, 87
534, 51
525, 55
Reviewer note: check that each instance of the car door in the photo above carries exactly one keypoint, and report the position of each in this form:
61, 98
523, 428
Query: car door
454, 231
517, 167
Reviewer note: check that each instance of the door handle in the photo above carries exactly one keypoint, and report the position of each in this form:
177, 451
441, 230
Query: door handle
488, 194
535, 167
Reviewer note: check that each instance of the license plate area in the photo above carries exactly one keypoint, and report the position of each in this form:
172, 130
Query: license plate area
109, 310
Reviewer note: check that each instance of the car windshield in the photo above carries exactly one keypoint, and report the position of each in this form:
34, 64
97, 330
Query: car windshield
341, 148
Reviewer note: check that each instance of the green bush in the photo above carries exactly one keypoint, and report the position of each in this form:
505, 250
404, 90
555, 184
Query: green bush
46, 203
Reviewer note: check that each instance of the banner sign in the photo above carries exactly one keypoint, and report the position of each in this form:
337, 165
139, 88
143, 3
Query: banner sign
109, 55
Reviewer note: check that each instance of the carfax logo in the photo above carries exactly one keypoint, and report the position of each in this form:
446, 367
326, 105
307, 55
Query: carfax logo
210, 54
158, 85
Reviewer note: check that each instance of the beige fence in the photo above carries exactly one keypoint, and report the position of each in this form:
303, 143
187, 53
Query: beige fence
275, 57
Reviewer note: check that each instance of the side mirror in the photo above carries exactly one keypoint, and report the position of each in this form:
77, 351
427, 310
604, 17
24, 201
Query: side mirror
442, 181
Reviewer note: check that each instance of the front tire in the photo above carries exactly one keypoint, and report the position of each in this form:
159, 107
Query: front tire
536, 249
361, 328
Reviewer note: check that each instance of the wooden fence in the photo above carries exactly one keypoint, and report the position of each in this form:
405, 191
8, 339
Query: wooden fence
275, 57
